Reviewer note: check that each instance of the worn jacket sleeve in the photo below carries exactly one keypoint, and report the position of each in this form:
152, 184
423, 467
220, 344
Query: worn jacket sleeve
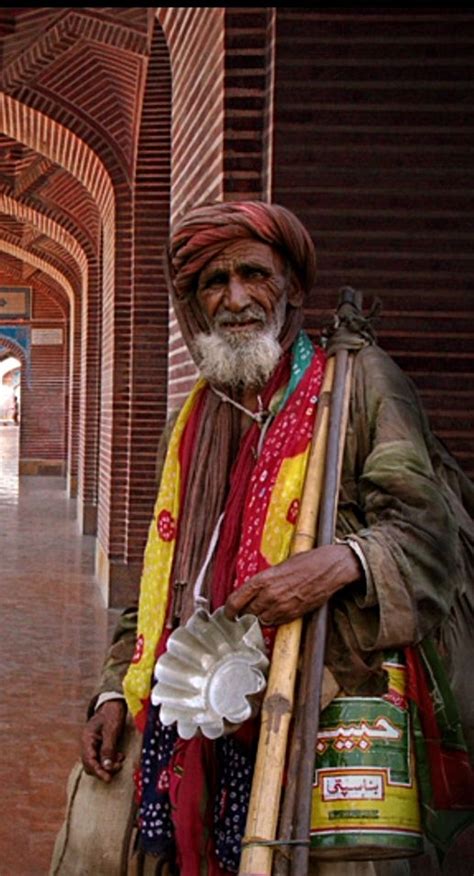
395, 508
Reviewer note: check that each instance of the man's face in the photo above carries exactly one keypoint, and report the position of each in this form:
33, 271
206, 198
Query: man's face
243, 294
243, 291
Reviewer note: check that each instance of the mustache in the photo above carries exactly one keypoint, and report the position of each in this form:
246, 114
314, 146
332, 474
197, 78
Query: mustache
254, 312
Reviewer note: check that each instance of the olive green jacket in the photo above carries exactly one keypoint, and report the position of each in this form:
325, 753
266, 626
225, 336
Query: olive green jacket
406, 505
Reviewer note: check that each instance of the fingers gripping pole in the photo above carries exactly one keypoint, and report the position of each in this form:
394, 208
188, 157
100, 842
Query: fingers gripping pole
262, 819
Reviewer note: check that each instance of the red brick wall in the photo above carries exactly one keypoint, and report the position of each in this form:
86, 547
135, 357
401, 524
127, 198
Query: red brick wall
247, 81
221, 74
150, 313
51, 138
195, 39
43, 434
371, 150
89, 414
43, 429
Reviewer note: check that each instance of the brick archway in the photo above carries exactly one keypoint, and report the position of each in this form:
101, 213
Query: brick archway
58, 144
24, 256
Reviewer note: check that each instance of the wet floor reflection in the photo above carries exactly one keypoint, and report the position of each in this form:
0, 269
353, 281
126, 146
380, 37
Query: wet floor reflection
54, 630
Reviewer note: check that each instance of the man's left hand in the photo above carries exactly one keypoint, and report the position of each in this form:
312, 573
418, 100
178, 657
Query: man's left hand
300, 584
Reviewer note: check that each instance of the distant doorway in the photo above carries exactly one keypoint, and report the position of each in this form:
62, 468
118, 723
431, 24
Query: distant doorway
10, 391
10, 417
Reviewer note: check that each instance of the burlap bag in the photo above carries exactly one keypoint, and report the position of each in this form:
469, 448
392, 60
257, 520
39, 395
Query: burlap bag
97, 834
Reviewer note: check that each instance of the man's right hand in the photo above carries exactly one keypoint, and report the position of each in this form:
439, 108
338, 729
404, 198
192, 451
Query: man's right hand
100, 738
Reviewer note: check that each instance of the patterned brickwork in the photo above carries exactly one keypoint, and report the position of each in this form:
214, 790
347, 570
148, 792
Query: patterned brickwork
89, 415
195, 39
62, 147
57, 73
373, 150
220, 150
42, 134
43, 433
74, 204
33, 225
43, 436
359, 121
150, 301
72, 332
39, 264
246, 83
86, 142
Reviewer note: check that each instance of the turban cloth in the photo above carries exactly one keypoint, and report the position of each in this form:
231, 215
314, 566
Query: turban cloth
206, 230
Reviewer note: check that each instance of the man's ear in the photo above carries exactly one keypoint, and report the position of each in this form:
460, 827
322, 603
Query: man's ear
295, 295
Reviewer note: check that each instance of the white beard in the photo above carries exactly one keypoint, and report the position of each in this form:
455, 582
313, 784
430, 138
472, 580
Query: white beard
238, 361
243, 359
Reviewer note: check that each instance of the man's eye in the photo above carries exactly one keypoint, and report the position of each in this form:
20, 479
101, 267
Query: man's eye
255, 274
215, 280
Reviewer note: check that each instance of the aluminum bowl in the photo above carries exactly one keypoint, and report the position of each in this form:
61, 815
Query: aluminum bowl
212, 674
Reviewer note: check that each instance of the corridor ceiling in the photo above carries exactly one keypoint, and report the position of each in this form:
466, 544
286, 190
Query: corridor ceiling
84, 68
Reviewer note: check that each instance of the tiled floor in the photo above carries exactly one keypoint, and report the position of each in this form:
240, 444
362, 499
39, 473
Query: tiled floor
54, 630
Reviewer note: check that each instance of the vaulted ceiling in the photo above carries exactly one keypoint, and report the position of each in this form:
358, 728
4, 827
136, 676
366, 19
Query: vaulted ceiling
84, 68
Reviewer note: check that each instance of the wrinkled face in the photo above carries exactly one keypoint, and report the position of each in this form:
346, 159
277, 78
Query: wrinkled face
244, 289
243, 294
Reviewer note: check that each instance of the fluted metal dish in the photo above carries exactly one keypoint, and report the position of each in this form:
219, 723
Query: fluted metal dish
212, 674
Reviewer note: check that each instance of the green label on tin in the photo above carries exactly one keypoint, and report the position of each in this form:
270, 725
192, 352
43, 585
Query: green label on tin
357, 732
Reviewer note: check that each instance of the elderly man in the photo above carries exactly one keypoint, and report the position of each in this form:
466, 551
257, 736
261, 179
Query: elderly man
238, 274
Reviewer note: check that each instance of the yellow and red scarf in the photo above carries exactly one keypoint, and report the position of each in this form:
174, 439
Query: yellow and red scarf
269, 510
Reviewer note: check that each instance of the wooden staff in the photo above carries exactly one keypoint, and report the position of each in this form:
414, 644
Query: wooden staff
315, 640
301, 762
262, 819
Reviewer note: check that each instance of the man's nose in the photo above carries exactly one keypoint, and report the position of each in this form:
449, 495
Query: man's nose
236, 297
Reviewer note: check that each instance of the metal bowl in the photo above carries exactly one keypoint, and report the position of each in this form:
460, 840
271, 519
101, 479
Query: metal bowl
211, 676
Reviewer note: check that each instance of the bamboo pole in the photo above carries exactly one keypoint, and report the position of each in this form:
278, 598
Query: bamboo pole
308, 699
262, 819
315, 640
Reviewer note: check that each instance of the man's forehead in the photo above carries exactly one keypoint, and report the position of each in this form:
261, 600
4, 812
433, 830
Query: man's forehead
241, 251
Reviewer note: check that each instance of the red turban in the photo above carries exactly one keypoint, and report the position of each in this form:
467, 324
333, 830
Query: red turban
207, 229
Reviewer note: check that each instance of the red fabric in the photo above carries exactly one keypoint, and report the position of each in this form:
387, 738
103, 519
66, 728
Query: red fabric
451, 773
229, 540
191, 772
190, 787
289, 436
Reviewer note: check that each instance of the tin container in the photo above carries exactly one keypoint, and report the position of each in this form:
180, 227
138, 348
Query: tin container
212, 675
365, 798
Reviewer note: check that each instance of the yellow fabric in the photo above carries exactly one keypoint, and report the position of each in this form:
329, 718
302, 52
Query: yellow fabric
157, 566
269, 520
279, 528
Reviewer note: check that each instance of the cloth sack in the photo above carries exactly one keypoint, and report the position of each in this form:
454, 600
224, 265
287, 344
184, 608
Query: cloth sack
96, 837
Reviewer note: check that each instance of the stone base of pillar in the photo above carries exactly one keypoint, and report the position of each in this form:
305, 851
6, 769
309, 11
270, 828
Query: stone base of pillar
118, 581
51, 467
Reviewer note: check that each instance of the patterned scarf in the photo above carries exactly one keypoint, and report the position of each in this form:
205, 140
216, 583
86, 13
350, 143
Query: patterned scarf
269, 518
178, 779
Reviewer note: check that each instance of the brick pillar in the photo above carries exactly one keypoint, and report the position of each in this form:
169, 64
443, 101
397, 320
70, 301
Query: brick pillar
117, 297
89, 431
150, 298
